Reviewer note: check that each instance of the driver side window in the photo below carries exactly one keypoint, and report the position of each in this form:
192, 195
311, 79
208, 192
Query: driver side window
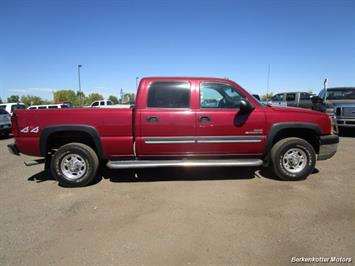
218, 96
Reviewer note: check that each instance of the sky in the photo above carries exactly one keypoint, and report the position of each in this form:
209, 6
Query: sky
115, 41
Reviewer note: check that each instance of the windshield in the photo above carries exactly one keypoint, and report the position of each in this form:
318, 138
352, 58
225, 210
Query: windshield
341, 94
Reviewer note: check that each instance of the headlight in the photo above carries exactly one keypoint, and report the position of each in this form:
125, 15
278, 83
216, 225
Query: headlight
330, 111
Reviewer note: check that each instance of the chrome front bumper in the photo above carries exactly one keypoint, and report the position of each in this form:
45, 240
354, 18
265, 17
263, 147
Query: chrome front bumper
328, 146
345, 122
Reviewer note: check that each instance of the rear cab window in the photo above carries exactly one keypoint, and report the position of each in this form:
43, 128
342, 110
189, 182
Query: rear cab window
291, 97
169, 94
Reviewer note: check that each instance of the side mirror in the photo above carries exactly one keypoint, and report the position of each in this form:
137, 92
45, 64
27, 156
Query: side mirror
316, 99
246, 106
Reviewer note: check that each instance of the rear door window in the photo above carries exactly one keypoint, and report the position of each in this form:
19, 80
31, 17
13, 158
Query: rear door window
169, 94
291, 97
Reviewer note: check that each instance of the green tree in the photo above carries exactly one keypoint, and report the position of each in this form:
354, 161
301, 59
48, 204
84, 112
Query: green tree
113, 99
266, 96
80, 98
0, 100
129, 98
65, 95
92, 97
13, 99
31, 100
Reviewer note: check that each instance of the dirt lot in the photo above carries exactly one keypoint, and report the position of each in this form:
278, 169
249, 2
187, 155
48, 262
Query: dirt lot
177, 216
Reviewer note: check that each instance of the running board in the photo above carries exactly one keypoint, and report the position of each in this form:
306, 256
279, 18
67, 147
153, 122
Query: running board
183, 163
34, 162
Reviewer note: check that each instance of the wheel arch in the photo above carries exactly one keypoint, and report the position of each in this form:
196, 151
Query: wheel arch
89, 133
307, 131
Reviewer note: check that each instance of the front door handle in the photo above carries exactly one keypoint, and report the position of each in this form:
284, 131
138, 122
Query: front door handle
204, 119
152, 119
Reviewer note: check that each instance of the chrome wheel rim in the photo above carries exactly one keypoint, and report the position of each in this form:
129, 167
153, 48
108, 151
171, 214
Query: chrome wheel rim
294, 160
73, 167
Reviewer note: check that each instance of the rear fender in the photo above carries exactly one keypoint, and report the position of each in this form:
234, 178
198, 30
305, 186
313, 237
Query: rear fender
92, 131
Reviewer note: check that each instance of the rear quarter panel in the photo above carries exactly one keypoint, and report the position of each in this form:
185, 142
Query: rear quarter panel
114, 127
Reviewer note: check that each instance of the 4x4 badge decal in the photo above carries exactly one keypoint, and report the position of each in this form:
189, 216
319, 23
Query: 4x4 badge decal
34, 130
25, 130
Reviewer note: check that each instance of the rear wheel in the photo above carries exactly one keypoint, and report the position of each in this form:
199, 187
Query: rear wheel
74, 165
293, 159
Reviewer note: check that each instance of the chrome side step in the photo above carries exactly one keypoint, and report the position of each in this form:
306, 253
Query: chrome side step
183, 163
34, 162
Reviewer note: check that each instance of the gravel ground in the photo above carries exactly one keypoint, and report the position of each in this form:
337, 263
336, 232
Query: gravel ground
173, 216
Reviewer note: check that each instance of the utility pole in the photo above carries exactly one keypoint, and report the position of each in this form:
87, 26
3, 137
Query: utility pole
137, 78
268, 81
121, 96
79, 66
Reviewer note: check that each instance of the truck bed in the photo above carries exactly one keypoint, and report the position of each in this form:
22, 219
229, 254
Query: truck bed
114, 126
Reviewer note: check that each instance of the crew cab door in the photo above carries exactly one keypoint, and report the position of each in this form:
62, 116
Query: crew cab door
167, 122
222, 128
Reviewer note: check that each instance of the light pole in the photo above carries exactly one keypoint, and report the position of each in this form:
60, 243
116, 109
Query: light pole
79, 66
268, 81
137, 78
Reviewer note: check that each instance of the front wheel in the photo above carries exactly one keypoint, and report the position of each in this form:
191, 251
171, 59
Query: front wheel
74, 165
293, 159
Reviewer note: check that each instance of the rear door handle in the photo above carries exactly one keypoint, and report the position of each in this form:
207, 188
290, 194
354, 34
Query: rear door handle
152, 119
204, 119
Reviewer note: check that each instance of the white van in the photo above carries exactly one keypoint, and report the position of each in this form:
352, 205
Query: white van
47, 106
11, 107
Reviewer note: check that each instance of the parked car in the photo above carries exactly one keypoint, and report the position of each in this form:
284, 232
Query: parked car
47, 106
256, 96
293, 99
101, 103
337, 101
5, 122
11, 107
188, 122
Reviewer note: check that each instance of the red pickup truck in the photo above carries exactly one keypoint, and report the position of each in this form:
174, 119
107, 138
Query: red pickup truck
177, 121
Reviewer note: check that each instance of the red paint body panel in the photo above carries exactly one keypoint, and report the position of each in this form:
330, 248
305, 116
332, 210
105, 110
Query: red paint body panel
115, 126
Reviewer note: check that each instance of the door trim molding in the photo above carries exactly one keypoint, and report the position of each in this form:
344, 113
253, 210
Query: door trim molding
208, 139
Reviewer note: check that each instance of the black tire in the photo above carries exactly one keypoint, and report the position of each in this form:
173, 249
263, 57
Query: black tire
81, 158
293, 169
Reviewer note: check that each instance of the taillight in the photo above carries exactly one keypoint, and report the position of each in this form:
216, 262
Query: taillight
14, 126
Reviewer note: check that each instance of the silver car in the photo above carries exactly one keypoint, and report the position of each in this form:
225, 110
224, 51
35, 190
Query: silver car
5, 122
